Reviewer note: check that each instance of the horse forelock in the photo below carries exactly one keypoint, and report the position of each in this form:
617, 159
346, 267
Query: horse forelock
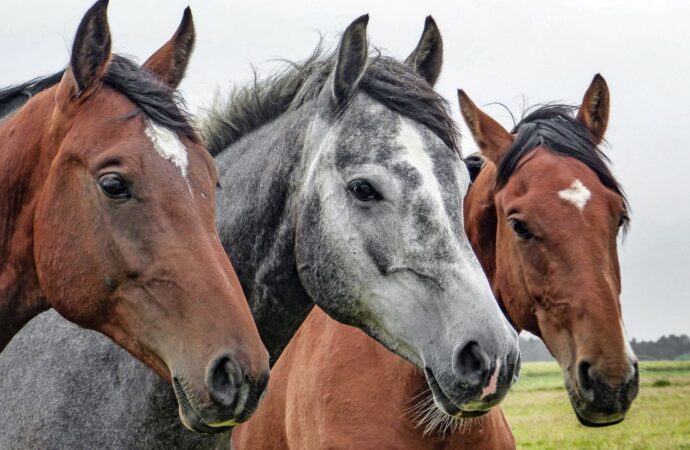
554, 126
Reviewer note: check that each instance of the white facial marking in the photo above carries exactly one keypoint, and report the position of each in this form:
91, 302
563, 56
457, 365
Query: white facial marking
410, 139
169, 146
577, 194
628, 348
493, 381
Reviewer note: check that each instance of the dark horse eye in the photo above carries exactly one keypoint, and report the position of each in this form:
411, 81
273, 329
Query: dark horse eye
520, 229
114, 186
363, 190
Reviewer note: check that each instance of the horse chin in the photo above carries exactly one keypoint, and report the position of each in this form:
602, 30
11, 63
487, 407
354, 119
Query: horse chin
599, 422
190, 418
444, 403
588, 418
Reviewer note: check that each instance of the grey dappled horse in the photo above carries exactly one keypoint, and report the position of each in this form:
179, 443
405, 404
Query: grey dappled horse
341, 185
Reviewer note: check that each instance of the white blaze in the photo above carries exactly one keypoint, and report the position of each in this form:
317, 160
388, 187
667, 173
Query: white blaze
169, 146
577, 194
415, 153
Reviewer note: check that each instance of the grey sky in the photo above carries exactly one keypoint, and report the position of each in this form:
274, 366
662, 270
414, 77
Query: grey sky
498, 51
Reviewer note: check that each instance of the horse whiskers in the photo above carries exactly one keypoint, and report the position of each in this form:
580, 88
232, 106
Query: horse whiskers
426, 414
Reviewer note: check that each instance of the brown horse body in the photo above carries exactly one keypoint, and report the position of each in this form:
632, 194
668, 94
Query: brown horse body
321, 396
546, 237
108, 216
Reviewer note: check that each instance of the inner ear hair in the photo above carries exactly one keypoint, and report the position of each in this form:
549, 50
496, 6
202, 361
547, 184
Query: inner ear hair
427, 58
92, 47
169, 63
594, 111
493, 140
352, 59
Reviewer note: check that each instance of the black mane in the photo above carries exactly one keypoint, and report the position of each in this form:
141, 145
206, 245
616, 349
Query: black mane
155, 99
386, 80
556, 128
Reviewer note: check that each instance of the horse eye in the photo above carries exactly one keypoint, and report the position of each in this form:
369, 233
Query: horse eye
114, 186
363, 191
520, 229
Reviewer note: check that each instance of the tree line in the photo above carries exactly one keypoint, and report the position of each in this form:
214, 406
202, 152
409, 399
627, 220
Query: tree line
669, 347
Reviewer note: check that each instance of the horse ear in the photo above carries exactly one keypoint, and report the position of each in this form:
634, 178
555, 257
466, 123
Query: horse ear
91, 48
427, 58
169, 63
352, 59
493, 140
594, 112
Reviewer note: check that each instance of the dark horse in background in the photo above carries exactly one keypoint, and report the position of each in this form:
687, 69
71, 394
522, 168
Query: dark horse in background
341, 185
103, 186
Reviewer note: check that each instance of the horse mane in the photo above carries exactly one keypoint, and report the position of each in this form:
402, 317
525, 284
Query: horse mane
156, 100
21, 93
555, 127
386, 80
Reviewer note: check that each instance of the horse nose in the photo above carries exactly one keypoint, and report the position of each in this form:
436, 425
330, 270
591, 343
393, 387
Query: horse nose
224, 378
603, 397
472, 364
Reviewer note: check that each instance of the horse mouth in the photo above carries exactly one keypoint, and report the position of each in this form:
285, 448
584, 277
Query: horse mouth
444, 403
589, 418
190, 418
590, 424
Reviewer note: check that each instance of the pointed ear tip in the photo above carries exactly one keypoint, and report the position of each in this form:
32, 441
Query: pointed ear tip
187, 12
429, 21
363, 19
462, 95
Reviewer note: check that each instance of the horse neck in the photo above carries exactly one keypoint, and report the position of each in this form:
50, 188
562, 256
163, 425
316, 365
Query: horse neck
23, 166
256, 221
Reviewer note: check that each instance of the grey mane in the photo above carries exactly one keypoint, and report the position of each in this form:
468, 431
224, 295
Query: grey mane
386, 80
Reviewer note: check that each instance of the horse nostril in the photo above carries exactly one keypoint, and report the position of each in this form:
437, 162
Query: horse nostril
472, 364
224, 378
585, 380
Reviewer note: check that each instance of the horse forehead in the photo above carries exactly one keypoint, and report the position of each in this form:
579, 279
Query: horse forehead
424, 152
168, 146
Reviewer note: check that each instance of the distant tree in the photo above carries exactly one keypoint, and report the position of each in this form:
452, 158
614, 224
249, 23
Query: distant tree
665, 348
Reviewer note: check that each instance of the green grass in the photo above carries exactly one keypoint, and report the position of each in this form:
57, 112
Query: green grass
540, 415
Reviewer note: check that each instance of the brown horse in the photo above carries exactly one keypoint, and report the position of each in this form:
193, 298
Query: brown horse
108, 216
543, 216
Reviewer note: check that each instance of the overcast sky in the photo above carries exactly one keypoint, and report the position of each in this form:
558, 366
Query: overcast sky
498, 51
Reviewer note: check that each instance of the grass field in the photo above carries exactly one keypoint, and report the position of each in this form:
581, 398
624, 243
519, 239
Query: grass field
541, 417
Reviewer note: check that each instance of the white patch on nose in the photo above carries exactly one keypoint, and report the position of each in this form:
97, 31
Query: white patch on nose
169, 146
493, 381
577, 194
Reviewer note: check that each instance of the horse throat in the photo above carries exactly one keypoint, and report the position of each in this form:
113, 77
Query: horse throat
22, 167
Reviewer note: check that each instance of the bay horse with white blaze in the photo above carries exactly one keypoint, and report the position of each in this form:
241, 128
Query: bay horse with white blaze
543, 216
107, 209
340, 187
